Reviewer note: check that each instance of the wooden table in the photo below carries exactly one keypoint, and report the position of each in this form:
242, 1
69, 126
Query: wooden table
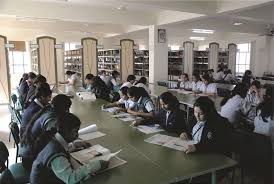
146, 163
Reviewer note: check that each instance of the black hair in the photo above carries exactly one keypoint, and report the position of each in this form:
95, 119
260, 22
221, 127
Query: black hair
207, 77
23, 78
239, 89
196, 75
124, 90
247, 78
69, 72
31, 75
266, 107
143, 80
137, 92
39, 79
185, 74
131, 77
227, 71
114, 74
256, 83
170, 99
43, 89
207, 106
61, 103
89, 76
68, 121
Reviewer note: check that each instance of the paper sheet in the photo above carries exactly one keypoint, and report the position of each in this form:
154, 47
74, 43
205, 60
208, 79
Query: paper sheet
88, 129
149, 129
185, 92
111, 110
92, 135
89, 96
126, 117
159, 139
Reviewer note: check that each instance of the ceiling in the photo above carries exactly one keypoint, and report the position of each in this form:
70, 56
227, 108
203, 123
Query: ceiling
70, 20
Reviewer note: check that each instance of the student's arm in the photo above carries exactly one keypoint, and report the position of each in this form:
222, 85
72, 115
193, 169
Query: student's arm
141, 114
246, 106
114, 104
62, 168
72, 80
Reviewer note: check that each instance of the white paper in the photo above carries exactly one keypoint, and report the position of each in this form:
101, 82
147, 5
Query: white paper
107, 157
185, 92
111, 110
149, 129
86, 96
88, 129
92, 135
126, 117
159, 139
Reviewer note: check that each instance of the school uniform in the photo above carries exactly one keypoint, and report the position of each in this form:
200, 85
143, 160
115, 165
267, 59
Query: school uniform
185, 85
228, 77
112, 84
219, 76
141, 85
210, 88
171, 121
77, 82
23, 90
196, 86
53, 165
125, 103
235, 108
30, 96
101, 91
89, 87
253, 98
126, 84
212, 135
144, 104
33, 108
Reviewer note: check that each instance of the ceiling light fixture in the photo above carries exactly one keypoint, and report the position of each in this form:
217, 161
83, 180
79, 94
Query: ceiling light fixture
34, 19
206, 31
121, 8
197, 38
237, 23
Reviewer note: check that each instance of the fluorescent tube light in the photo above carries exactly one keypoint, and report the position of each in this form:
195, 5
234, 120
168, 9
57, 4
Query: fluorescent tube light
206, 31
197, 38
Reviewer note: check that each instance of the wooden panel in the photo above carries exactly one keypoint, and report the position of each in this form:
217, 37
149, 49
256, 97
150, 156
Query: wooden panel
18, 46
126, 58
89, 56
4, 72
213, 56
47, 58
188, 58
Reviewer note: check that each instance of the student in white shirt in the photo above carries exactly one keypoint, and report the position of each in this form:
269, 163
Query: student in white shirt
130, 81
208, 87
196, 82
184, 82
219, 75
228, 77
142, 82
103, 76
72, 79
123, 103
253, 95
111, 81
234, 107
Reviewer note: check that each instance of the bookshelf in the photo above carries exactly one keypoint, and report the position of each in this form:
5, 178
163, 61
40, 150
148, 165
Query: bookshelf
223, 57
34, 61
175, 64
141, 63
200, 62
109, 60
73, 61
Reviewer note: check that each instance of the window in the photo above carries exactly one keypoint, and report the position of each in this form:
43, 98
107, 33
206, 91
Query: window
243, 58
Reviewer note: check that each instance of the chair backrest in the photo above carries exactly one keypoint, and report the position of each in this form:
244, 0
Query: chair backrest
13, 99
6, 177
15, 115
15, 132
254, 151
4, 152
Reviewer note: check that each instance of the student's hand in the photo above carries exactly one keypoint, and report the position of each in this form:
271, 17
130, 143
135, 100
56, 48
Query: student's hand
104, 164
184, 136
81, 144
103, 106
136, 123
190, 149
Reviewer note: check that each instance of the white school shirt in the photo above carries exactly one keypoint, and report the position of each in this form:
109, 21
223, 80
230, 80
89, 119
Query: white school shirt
228, 77
76, 80
127, 84
197, 131
265, 128
143, 86
185, 85
253, 98
219, 76
126, 102
210, 88
196, 86
234, 108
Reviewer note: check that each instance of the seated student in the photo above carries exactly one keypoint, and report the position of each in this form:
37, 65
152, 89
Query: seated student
53, 164
142, 82
88, 82
170, 117
196, 82
264, 121
228, 77
72, 79
184, 82
211, 132
143, 106
123, 103
42, 97
103, 75
253, 95
130, 81
219, 75
38, 131
31, 93
235, 105
24, 86
100, 89
247, 78
208, 87
112, 83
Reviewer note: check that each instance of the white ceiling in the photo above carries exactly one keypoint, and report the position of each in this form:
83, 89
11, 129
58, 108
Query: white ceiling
73, 19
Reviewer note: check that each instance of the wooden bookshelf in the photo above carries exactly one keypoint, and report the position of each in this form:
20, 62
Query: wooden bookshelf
109, 60
223, 57
175, 64
141, 63
200, 62
73, 61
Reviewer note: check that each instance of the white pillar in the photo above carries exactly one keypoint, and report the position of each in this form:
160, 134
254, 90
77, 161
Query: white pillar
213, 56
232, 52
158, 55
188, 58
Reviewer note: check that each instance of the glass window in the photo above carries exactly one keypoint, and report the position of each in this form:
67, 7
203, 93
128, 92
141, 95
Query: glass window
243, 58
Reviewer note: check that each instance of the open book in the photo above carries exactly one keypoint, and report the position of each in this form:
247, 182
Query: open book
126, 117
86, 95
149, 129
111, 109
98, 152
90, 132
170, 142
